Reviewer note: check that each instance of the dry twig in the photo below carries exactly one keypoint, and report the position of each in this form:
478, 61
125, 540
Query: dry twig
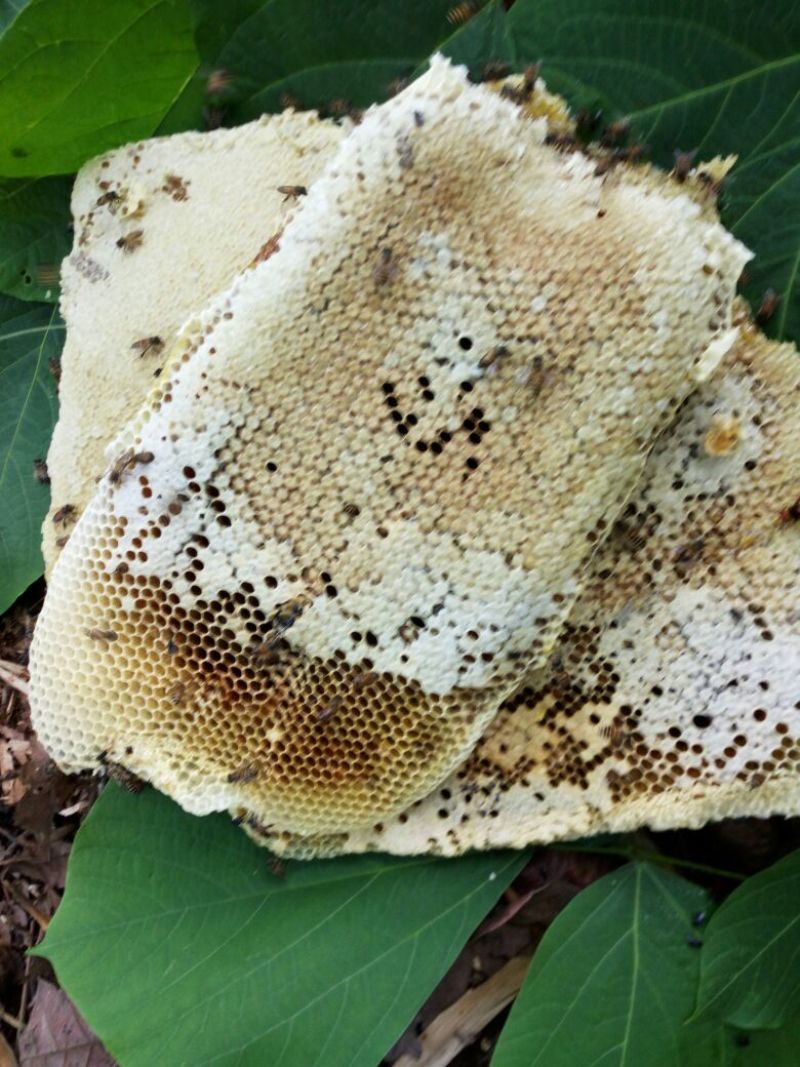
463, 1021
15, 676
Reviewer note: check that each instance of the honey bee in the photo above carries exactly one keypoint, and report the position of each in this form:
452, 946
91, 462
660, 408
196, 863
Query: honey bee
54, 366
292, 192
129, 781
338, 108
405, 153
40, 472
768, 306
111, 198
130, 241
683, 164
218, 82
604, 165
586, 122
615, 133
494, 358
495, 70
61, 541
630, 154
329, 710
713, 186
269, 654
120, 569
261, 829
47, 274
532, 377
267, 249
792, 513
463, 12
65, 514
175, 187
277, 866
248, 772
214, 117
385, 267
103, 636
397, 86
289, 101
288, 613
172, 648
177, 693
127, 461
144, 345
632, 537
688, 554
363, 679
522, 93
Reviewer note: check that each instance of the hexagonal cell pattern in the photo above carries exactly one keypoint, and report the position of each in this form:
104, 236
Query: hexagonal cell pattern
361, 505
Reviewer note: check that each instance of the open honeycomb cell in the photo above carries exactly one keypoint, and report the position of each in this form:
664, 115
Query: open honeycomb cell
363, 498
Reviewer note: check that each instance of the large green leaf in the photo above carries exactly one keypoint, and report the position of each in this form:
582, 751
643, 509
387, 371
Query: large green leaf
30, 335
217, 959
35, 235
613, 979
320, 53
750, 974
80, 77
719, 77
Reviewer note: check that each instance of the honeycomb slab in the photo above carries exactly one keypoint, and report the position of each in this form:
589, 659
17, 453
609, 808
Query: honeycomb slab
673, 697
149, 250
366, 493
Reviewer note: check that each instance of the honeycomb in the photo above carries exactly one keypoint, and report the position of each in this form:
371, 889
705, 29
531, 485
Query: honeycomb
359, 505
124, 310
673, 696
189, 192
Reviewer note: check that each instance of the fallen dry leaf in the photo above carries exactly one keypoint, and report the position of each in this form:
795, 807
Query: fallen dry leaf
56, 1036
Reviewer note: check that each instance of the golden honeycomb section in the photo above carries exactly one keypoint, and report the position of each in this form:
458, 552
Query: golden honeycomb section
363, 500
233, 711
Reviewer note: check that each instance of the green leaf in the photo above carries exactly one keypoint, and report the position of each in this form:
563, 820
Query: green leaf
750, 974
81, 77
9, 9
214, 24
613, 978
317, 54
35, 235
486, 36
217, 959
778, 1048
30, 335
355, 51
722, 78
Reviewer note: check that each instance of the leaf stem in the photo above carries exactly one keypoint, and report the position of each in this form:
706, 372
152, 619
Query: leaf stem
640, 855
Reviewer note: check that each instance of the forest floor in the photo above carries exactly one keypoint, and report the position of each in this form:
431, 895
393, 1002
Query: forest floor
41, 810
